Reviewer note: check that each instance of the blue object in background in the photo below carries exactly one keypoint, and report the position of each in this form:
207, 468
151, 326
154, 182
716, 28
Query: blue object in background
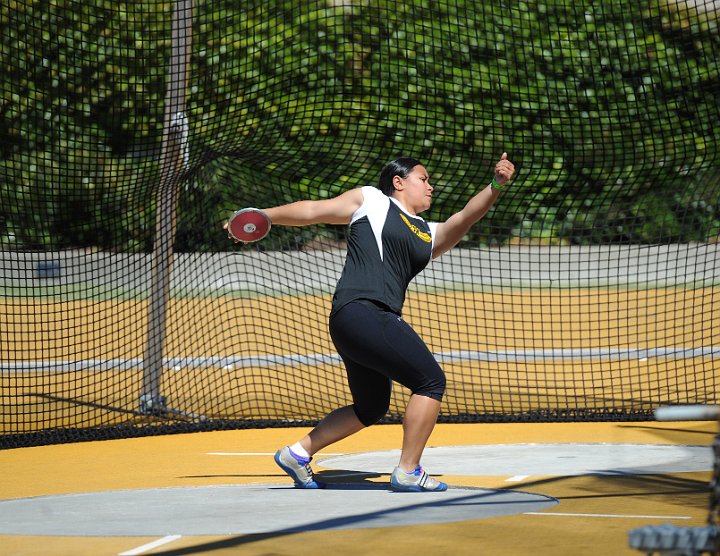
48, 269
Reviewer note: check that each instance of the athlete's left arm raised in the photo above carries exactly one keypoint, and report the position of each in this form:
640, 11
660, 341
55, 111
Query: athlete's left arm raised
450, 232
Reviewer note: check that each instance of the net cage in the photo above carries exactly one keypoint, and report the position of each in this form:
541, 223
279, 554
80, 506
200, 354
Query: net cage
130, 131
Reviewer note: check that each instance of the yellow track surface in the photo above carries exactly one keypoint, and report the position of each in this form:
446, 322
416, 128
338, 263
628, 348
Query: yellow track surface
593, 517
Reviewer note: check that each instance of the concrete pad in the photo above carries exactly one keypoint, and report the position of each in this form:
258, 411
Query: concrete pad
248, 509
539, 459
252, 509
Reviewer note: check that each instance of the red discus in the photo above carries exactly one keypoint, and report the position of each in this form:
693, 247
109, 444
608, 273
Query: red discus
248, 224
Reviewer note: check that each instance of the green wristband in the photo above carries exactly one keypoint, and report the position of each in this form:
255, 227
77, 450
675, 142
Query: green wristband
495, 185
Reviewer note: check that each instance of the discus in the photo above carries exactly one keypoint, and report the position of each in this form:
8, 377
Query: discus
248, 225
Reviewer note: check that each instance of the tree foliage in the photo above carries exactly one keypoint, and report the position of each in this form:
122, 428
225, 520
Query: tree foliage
608, 109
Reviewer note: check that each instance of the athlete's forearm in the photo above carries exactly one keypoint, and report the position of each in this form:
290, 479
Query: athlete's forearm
450, 232
474, 210
299, 213
337, 210
479, 205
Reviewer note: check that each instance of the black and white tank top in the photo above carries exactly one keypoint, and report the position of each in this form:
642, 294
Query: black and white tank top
387, 248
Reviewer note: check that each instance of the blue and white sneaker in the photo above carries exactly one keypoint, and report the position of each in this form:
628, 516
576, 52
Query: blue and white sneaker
299, 472
417, 481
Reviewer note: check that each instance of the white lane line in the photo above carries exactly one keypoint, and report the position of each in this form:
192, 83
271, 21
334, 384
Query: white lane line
240, 454
516, 478
624, 516
318, 455
150, 545
353, 474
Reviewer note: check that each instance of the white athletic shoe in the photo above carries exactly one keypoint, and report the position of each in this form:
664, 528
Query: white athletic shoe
417, 481
300, 473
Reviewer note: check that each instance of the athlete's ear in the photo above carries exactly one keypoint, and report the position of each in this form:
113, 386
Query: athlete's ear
397, 183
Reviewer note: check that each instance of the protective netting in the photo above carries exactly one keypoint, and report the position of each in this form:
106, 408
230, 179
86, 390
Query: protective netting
129, 131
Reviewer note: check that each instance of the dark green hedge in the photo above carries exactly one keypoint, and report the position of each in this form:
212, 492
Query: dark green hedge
608, 109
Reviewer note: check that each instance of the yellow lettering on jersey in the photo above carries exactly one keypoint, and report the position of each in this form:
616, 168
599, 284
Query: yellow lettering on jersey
417, 231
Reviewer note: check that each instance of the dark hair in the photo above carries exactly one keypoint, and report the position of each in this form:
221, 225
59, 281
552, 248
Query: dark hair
399, 167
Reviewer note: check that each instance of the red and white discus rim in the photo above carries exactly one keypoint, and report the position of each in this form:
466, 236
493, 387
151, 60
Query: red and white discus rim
248, 225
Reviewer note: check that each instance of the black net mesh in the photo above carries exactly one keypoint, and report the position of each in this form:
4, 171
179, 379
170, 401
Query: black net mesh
589, 292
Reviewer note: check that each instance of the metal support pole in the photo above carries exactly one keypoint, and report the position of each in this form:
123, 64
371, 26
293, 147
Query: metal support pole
173, 160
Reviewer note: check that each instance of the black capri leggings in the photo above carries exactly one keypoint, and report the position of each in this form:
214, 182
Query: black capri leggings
378, 347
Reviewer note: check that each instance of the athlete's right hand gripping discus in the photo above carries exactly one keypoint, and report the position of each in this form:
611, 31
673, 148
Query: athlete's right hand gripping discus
248, 225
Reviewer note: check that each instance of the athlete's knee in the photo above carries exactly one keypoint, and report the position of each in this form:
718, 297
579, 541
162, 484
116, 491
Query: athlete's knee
433, 386
369, 414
